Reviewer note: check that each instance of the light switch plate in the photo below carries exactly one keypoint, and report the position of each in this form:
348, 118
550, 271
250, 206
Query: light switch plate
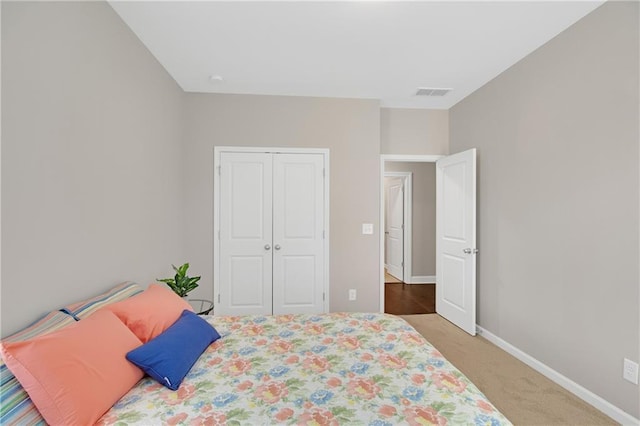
367, 228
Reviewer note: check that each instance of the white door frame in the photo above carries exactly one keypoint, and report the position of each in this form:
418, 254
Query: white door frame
407, 182
217, 150
383, 159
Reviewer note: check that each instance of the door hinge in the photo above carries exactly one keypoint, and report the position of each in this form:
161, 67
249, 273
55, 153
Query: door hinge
323, 234
218, 234
323, 297
323, 173
402, 264
218, 297
219, 170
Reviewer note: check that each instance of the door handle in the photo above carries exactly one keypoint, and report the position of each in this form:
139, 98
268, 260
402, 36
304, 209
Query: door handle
267, 247
469, 251
277, 247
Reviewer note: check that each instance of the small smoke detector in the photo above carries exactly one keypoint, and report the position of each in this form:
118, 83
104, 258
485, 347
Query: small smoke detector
432, 91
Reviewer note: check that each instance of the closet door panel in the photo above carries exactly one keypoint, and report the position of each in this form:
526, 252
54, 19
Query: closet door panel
245, 234
296, 270
248, 289
298, 224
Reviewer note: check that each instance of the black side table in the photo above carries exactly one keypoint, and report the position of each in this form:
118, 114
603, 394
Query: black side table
201, 306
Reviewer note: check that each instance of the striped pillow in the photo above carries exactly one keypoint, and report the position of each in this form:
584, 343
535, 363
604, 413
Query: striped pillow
86, 307
15, 405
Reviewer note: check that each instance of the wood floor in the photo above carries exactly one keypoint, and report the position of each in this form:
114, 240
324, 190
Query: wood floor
409, 299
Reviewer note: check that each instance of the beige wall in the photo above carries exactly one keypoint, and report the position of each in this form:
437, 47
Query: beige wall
414, 131
91, 158
348, 128
423, 241
558, 218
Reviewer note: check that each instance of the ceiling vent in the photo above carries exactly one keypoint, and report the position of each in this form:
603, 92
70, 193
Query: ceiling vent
432, 91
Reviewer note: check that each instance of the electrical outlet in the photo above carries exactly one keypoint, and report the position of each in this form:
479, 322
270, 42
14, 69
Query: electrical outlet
352, 294
630, 371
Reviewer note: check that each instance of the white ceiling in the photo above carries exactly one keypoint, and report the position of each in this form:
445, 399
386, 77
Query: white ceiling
374, 50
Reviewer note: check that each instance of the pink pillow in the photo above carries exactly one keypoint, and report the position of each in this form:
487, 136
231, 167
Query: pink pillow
74, 375
150, 313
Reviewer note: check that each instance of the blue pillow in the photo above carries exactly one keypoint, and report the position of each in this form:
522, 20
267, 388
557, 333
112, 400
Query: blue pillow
168, 357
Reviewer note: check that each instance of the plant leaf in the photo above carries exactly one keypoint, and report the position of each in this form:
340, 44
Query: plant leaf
183, 269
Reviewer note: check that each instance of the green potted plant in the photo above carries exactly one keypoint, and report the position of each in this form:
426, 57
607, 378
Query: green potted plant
181, 283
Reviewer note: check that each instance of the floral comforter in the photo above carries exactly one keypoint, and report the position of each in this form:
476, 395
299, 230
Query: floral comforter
369, 369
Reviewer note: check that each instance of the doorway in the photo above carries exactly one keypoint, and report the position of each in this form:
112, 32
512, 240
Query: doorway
413, 293
409, 226
455, 234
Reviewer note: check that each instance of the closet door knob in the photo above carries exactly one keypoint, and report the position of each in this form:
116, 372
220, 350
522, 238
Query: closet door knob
267, 247
277, 247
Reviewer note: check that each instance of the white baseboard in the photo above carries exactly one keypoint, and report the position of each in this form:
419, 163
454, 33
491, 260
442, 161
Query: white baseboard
601, 404
423, 279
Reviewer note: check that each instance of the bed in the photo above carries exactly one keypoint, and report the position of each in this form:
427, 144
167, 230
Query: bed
330, 369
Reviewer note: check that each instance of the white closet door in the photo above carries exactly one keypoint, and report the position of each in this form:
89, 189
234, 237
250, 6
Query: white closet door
298, 223
245, 234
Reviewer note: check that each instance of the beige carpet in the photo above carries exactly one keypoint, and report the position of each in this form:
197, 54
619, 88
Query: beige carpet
519, 392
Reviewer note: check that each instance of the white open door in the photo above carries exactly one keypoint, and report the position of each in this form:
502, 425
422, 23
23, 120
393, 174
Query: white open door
456, 239
394, 233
